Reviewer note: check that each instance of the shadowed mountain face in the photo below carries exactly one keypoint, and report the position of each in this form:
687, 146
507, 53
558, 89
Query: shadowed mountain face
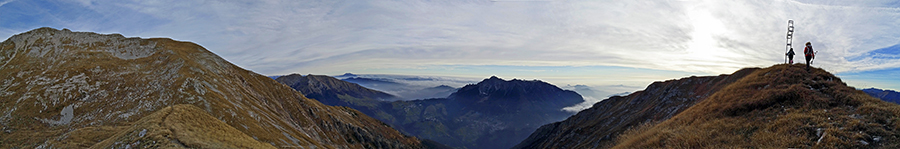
596, 127
334, 92
494, 113
886, 95
498, 113
66, 89
783, 106
539, 101
325, 87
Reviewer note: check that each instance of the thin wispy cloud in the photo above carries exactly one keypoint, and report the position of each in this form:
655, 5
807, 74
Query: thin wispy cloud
281, 37
4, 2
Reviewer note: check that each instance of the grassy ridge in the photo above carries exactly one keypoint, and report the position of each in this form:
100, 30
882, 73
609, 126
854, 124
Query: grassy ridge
777, 107
62, 88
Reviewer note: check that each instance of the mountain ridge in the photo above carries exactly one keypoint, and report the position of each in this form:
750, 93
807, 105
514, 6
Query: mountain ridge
780, 106
598, 126
886, 95
774, 107
316, 85
59, 83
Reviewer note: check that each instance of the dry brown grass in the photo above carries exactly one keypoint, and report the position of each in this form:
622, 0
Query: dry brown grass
123, 91
778, 107
88, 136
181, 126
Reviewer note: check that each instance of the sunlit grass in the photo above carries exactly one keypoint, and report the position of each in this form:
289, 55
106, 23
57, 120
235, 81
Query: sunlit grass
778, 107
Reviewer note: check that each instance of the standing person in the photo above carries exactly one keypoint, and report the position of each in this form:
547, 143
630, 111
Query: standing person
790, 56
808, 51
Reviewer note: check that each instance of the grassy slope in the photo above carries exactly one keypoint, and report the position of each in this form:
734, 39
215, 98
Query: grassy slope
598, 126
782, 106
45, 70
182, 126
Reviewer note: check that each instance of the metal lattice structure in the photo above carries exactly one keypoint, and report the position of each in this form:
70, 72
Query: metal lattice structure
790, 36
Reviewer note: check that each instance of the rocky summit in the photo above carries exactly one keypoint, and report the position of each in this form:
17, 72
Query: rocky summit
64, 89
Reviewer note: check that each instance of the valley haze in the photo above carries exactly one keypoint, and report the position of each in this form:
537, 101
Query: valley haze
595, 43
409, 87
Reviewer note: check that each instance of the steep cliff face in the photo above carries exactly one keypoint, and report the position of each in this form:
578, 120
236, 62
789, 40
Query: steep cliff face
598, 126
59, 84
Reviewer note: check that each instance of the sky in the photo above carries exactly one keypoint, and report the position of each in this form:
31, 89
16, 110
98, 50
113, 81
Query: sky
591, 42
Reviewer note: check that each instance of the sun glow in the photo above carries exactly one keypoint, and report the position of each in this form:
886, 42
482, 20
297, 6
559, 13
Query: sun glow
703, 45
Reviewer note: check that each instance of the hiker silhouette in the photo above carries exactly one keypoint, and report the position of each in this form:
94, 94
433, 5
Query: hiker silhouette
808, 51
790, 55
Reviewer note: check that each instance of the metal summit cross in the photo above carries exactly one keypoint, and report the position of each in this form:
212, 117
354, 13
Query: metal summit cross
790, 36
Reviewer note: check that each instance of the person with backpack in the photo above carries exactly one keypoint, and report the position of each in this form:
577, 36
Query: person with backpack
790, 56
808, 51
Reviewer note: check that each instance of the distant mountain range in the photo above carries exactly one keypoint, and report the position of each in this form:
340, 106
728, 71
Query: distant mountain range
493, 113
886, 95
783, 106
325, 87
334, 92
409, 87
64, 89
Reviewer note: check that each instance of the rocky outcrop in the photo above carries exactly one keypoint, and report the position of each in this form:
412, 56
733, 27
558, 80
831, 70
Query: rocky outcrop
59, 84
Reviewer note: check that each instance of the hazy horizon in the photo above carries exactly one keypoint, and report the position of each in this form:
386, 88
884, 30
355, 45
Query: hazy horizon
597, 43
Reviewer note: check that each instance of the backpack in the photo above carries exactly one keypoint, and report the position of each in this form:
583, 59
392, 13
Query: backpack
808, 51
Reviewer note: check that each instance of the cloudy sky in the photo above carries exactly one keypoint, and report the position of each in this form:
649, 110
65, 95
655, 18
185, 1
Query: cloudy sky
593, 42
